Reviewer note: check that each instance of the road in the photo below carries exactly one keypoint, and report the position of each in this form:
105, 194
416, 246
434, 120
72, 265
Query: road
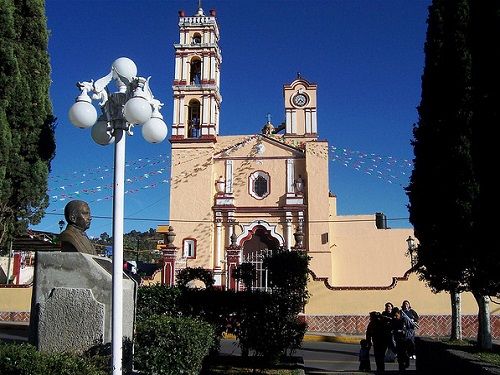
327, 358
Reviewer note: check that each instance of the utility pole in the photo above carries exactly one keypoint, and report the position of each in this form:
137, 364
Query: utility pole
8, 264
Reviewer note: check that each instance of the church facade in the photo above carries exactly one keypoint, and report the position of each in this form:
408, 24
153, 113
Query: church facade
235, 198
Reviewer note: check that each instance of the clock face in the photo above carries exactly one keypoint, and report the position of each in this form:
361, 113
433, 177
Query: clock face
300, 100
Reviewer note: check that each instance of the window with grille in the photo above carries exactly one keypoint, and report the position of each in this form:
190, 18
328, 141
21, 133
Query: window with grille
259, 184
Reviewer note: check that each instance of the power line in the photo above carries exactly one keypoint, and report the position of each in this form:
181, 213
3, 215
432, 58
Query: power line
243, 216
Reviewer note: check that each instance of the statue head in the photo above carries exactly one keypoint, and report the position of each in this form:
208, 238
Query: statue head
77, 213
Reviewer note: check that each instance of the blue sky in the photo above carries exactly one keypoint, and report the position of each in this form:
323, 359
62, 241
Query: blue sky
366, 56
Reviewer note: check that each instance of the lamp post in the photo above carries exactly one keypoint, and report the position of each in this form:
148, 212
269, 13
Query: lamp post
133, 104
61, 225
410, 241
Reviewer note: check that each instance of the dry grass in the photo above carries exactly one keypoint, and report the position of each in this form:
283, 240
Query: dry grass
469, 346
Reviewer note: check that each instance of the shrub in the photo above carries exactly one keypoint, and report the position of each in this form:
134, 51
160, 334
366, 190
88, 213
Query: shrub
267, 327
24, 359
172, 345
157, 300
269, 323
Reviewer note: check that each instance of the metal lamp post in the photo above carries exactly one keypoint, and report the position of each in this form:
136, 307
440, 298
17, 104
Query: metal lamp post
411, 248
133, 104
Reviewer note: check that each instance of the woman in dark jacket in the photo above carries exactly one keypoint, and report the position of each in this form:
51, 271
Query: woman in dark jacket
413, 316
404, 331
376, 334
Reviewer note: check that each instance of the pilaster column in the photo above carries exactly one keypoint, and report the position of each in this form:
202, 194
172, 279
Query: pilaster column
185, 69
218, 240
288, 231
288, 119
206, 68
205, 111
229, 177
290, 177
178, 68
314, 121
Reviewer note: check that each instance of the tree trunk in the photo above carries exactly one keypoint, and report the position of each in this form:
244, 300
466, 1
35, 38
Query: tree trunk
484, 323
456, 315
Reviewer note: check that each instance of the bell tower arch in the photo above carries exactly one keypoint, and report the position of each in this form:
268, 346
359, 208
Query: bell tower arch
196, 83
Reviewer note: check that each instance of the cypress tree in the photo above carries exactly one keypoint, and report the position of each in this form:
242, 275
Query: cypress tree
26, 120
445, 185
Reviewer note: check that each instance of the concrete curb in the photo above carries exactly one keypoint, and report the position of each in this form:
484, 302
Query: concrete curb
8, 325
318, 337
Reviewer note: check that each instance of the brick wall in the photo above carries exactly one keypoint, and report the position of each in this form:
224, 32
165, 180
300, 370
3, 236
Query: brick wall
430, 325
14, 316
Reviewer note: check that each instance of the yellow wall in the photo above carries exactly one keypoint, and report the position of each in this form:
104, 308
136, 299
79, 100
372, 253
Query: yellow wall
191, 198
360, 302
15, 299
317, 194
363, 255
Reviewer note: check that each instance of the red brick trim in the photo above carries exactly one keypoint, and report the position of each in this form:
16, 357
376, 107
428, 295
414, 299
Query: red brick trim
14, 316
202, 139
429, 325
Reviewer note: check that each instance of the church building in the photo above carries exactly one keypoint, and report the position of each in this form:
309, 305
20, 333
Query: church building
236, 198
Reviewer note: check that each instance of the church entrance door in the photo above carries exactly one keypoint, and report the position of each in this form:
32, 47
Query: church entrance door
259, 245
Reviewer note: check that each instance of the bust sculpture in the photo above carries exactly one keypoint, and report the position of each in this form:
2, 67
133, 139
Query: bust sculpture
73, 238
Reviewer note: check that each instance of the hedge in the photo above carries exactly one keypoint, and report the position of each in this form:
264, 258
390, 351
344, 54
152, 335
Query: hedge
24, 359
172, 345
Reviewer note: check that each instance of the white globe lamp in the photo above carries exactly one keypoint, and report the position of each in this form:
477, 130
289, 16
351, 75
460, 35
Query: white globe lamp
82, 114
101, 132
155, 130
125, 67
137, 110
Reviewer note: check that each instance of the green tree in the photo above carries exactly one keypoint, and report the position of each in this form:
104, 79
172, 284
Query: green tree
444, 189
137, 245
140, 246
27, 143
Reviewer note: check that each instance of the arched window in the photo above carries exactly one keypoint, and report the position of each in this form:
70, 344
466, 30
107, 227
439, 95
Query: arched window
195, 73
259, 184
194, 130
196, 39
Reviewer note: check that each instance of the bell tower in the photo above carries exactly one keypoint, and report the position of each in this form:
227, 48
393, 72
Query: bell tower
300, 108
196, 84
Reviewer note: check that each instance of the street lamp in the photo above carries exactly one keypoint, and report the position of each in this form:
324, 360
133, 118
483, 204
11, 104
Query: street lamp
410, 241
133, 104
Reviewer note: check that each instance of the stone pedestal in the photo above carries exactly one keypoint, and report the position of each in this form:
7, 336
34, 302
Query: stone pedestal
71, 306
